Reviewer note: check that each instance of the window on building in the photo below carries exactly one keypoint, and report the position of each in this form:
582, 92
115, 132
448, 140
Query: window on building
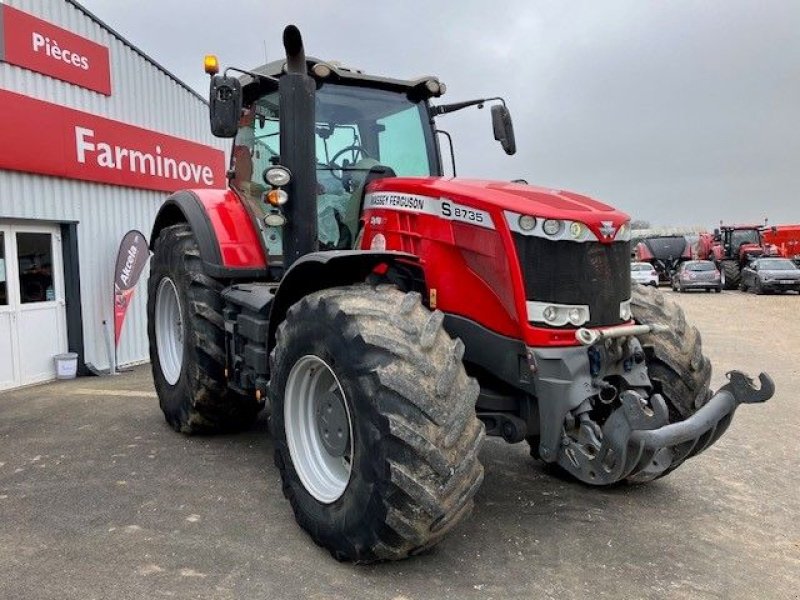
35, 261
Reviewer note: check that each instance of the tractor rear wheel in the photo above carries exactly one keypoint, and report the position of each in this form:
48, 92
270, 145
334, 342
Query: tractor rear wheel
373, 420
731, 274
187, 340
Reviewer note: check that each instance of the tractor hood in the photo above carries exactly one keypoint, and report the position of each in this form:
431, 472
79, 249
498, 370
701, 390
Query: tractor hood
514, 197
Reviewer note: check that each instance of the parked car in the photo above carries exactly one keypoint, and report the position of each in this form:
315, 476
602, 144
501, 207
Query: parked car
697, 275
644, 273
770, 275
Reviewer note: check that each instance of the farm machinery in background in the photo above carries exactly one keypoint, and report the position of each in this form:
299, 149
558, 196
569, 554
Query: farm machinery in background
786, 239
732, 247
664, 252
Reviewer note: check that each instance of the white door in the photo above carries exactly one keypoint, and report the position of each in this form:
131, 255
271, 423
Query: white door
35, 312
9, 370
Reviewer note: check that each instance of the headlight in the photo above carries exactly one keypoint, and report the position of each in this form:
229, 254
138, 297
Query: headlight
277, 176
552, 227
275, 219
433, 87
576, 230
557, 315
550, 314
321, 70
624, 233
527, 222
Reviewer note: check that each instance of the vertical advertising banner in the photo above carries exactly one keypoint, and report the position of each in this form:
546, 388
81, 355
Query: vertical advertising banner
131, 259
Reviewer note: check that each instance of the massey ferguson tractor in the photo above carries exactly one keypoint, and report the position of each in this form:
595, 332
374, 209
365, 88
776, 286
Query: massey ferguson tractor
731, 247
389, 318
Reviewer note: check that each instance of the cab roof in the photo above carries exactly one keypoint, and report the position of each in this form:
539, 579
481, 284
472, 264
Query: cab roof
345, 75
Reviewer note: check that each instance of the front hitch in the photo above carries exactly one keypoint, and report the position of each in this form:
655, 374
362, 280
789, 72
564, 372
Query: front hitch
639, 444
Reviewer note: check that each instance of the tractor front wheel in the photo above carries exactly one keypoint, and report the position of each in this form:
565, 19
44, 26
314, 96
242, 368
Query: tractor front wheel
373, 420
187, 340
731, 274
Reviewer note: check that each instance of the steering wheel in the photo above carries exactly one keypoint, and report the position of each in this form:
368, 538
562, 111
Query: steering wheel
355, 151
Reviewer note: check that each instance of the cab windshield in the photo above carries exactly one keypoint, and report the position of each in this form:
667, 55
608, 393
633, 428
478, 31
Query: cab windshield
744, 236
357, 129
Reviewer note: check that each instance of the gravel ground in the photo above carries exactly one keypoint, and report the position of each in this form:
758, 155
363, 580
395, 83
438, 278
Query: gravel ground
100, 499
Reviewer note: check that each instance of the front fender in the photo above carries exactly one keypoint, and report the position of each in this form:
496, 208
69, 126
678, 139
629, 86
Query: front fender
229, 243
322, 270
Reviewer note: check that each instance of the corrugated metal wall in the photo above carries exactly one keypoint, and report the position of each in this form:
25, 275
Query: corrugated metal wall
142, 95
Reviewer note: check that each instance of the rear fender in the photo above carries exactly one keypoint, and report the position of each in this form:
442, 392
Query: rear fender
323, 270
230, 245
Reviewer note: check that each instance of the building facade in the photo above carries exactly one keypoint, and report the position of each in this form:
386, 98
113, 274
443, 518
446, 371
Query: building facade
94, 135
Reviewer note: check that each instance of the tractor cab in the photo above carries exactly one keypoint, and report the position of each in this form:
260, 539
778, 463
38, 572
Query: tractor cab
741, 241
360, 134
358, 127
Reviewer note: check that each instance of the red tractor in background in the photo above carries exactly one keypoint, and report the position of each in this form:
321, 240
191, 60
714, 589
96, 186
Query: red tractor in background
731, 247
388, 317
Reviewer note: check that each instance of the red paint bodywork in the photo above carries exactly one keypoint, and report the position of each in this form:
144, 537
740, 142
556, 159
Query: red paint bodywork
475, 270
238, 239
786, 238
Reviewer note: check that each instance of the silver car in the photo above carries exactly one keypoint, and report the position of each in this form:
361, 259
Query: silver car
770, 275
697, 275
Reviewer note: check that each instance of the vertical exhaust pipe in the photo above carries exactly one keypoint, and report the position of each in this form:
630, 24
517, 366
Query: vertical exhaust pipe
298, 152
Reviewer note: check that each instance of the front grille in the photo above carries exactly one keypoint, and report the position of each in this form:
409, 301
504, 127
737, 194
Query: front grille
590, 273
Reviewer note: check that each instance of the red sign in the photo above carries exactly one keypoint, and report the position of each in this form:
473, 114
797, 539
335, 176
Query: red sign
131, 259
31, 43
40, 137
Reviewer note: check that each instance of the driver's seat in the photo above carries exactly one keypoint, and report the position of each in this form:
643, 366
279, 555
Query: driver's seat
362, 178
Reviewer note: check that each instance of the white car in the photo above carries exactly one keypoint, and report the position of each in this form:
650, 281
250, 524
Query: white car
644, 273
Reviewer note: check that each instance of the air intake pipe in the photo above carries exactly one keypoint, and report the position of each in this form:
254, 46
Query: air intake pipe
297, 152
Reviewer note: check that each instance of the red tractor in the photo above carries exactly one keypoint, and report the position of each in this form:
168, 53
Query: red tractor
388, 318
731, 247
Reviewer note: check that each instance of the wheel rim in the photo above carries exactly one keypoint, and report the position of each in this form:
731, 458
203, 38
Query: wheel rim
319, 429
169, 330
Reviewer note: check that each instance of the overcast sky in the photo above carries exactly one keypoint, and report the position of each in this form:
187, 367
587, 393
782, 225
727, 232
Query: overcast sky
679, 113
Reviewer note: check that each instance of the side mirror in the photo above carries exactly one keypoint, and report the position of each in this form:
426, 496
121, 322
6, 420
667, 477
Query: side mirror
225, 105
503, 128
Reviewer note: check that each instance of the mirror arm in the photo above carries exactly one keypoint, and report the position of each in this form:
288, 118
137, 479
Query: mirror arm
443, 109
252, 74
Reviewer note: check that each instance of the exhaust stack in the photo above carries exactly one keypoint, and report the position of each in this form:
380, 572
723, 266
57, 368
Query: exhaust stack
298, 153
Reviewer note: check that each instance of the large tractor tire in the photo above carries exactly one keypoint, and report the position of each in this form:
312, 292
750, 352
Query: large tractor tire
731, 274
675, 362
373, 420
187, 340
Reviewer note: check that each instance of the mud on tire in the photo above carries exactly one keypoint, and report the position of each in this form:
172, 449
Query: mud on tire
199, 401
414, 465
677, 367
